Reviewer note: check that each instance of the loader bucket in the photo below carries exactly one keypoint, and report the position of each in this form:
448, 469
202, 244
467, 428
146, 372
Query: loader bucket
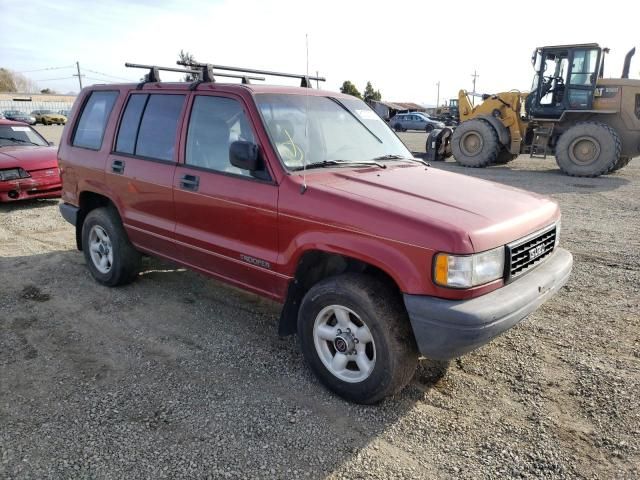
438, 145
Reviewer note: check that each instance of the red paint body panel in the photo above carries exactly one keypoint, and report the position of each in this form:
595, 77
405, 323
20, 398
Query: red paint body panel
40, 162
253, 233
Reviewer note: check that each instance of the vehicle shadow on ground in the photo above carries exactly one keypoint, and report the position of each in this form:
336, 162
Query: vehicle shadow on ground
174, 363
548, 180
9, 207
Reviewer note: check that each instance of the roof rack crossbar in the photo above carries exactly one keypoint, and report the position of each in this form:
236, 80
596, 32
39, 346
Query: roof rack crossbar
154, 72
305, 79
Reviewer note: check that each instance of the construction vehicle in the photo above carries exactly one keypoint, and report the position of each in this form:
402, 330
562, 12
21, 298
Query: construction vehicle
591, 124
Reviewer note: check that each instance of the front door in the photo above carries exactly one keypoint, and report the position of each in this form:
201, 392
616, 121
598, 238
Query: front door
226, 217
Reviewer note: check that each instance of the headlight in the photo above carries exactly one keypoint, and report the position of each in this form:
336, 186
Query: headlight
465, 271
13, 174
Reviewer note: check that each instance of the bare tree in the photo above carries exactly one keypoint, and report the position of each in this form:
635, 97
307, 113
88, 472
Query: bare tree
16, 82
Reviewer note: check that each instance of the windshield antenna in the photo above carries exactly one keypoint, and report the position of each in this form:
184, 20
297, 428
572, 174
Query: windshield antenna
306, 124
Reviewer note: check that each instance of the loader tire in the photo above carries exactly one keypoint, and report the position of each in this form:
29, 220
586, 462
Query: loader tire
621, 163
588, 149
475, 143
505, 156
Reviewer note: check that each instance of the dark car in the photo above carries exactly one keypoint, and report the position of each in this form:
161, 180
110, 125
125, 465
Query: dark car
308, 198
28, 164
18, 116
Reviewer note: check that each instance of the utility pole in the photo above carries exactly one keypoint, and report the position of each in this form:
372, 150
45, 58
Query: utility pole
473, 96
317, 81
78, 75
438, 101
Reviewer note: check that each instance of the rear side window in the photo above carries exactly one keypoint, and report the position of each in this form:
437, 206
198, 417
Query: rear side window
126, 142
149, 126
93, 120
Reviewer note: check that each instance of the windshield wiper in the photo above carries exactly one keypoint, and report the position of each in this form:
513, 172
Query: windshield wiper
333, 163
19, 140
400, 157
356, 118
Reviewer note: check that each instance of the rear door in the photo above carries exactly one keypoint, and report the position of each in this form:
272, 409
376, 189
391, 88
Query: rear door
226, 217
141, 168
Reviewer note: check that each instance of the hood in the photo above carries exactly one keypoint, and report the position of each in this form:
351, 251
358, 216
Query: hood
457, 213
28, 157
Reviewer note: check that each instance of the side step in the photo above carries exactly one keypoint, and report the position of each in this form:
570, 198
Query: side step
540, 143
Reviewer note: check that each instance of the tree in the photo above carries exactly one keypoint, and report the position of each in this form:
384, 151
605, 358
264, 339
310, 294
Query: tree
350, 89
187, 57
48, 91
371, 94
16, 82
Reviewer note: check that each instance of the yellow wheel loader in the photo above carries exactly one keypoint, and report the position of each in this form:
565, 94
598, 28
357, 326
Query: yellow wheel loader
591, 124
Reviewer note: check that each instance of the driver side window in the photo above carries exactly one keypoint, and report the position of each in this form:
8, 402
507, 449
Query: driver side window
215, 123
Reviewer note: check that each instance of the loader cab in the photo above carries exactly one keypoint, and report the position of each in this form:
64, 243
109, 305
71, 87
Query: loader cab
565, 79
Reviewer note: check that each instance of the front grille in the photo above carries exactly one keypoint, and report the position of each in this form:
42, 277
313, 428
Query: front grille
524, 254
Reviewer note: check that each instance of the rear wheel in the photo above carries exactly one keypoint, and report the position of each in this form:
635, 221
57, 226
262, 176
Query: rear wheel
475, 143
588, 149
355, 335
111, 258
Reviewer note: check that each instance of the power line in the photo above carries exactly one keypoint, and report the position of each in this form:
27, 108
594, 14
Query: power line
47, 68
50, 79
106, 75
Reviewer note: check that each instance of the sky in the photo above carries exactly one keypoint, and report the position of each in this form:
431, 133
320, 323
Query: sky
403, 47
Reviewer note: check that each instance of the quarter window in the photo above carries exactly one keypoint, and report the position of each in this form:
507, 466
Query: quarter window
215, 123
93, 120
149, 126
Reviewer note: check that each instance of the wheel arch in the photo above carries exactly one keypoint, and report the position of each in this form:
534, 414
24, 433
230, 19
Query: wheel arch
314, 265
88, 201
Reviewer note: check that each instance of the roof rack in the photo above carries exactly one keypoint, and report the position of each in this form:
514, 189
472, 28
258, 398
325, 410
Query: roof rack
305, 80
204, 71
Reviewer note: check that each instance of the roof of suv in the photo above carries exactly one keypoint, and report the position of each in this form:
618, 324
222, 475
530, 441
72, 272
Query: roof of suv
253, 88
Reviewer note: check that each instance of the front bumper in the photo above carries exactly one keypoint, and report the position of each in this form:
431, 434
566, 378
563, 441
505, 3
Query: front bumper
446, 329
25, 188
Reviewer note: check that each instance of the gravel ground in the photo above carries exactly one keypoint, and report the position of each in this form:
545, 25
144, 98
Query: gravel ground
180, 376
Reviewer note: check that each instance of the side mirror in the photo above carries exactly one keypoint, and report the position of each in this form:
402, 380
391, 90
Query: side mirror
244, 155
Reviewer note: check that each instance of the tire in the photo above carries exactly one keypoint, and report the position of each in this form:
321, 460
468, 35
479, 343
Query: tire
475, 143
398, 128
428, 128
504, 157
621, 163
341, 305
122, 263
588, 149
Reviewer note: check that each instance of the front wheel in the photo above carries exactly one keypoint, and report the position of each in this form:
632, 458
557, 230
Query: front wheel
356, 337
398, 127
110, 256
428, 128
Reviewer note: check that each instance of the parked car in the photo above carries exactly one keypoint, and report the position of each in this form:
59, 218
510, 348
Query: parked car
308, 198
19, 116
28, 164
414, 121
47, 117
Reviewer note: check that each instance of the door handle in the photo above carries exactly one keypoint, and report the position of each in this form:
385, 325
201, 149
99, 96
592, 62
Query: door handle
190, 182
117, 166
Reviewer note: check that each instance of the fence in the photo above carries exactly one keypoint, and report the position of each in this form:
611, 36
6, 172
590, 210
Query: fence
30, 106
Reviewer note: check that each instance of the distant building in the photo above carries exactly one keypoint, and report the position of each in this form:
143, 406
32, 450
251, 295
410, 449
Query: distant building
388, 109
28, 102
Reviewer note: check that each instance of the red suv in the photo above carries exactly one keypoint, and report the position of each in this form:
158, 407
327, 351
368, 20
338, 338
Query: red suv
307, 197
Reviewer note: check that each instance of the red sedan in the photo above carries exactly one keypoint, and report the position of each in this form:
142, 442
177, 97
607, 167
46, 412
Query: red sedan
28, 164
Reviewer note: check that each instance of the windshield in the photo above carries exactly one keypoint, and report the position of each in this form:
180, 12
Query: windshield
20, 135
310, 129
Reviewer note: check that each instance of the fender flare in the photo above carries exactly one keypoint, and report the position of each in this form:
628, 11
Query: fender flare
503, 132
